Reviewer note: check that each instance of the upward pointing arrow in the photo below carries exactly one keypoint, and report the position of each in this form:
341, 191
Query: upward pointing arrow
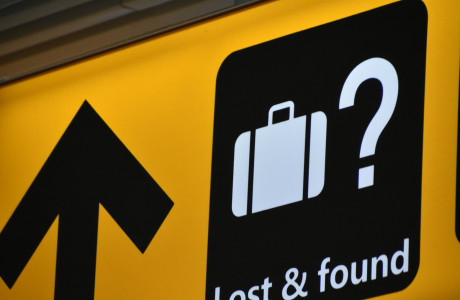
88, 166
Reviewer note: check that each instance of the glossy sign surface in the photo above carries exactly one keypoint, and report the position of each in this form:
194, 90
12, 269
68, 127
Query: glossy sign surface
158, 98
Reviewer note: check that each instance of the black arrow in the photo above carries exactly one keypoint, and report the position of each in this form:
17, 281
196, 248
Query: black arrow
88, 166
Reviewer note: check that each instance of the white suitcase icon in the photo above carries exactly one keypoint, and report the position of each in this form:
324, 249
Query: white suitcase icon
279, 156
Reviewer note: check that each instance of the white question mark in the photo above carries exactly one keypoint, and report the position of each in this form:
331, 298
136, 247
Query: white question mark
383, 70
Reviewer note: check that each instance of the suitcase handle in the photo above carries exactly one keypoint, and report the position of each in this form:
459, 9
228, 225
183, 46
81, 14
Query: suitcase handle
280, 106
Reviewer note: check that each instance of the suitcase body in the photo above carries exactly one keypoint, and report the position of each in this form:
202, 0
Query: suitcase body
279, 160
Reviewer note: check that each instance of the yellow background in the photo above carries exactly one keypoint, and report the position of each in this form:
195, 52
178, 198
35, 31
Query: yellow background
158, 97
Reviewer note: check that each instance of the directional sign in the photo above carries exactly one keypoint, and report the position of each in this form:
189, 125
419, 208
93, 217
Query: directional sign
325, 201
309, 148
89, 165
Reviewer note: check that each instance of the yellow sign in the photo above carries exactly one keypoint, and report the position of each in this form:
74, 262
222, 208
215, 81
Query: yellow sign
158, 98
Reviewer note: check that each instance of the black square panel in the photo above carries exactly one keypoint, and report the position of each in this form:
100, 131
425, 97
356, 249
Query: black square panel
317, 161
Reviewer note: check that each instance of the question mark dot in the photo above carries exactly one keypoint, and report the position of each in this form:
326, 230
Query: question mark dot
366, 177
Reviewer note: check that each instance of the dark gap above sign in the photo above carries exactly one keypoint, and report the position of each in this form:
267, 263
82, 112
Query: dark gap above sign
41, 34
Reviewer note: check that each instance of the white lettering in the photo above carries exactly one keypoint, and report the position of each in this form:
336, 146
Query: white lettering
384, 259
239, 293
378, 269
334, 282
354, 279
322, 274
217, 293
251, 295
405, 256
267, 284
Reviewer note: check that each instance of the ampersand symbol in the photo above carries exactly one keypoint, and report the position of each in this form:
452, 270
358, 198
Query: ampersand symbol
291, 276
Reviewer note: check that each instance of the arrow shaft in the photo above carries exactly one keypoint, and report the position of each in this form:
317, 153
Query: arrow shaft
24, 232
76, 253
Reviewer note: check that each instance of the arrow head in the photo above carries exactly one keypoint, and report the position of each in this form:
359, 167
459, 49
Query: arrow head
112, 176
